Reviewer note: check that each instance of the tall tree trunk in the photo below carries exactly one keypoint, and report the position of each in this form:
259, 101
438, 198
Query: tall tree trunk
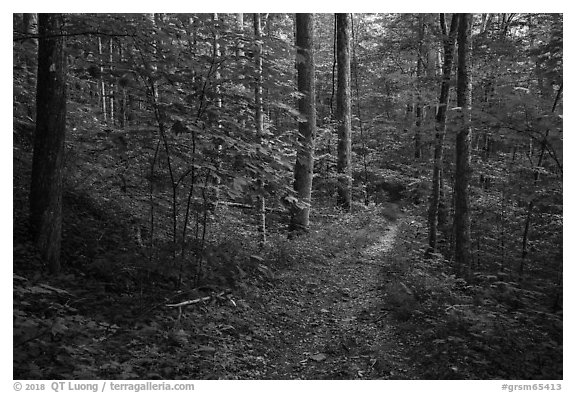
419, 75
112, 87
259, 118
122, 112
214, 178
449, 43
259, 121
102, 83
217, 76
240, 46
463, 169
304, 167
47, 161
359, 116
343, 112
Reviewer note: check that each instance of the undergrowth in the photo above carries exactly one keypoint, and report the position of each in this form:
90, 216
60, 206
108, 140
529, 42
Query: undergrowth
490, 327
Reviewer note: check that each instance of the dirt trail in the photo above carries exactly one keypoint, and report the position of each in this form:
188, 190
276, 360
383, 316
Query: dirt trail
332, 324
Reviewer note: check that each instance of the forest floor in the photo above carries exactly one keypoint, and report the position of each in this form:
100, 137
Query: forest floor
318, 313
330, 318
320, 319
352, 299
322, 316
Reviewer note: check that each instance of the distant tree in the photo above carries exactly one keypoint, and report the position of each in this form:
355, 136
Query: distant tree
240, 27
419, 75
343, 111
103, 89
463, 169
259, 120
259, 116
304, 167
47, 162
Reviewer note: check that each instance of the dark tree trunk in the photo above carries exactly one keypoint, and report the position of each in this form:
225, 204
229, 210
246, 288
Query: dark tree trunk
303, 169
463, 169
449, 43
343, 112
47, 162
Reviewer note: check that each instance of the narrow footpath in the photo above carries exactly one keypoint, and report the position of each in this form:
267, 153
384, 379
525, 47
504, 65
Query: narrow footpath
329, 321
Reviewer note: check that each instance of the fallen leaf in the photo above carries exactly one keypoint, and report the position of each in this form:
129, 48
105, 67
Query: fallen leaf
318, 357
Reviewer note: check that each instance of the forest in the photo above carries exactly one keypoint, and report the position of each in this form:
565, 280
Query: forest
264, 196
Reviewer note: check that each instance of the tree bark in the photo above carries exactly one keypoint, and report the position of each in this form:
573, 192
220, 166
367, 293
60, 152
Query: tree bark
215, 179
30, 28
449, 43
343, 112
123, 100
463, 169
359, 115
102, 83
419, 75
240, 26
112, 87
47, 161
259, 120
303, 169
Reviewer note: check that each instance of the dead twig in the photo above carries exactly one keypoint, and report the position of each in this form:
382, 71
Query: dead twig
199, 300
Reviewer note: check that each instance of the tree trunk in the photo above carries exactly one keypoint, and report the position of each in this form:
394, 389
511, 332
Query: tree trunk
343, 112
259, 120
122, 113
463, 169
216, 55
215, 179
484, 23
47, 162
240, 46
303, 169
30, 28
449, 42
359, 116
112, 87
102, 83
419, 75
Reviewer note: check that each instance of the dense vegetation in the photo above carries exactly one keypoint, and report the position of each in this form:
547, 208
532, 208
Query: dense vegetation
183, 137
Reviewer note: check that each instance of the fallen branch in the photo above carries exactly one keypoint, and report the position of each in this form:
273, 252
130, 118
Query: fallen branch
251, 207
196, 301
189, 302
